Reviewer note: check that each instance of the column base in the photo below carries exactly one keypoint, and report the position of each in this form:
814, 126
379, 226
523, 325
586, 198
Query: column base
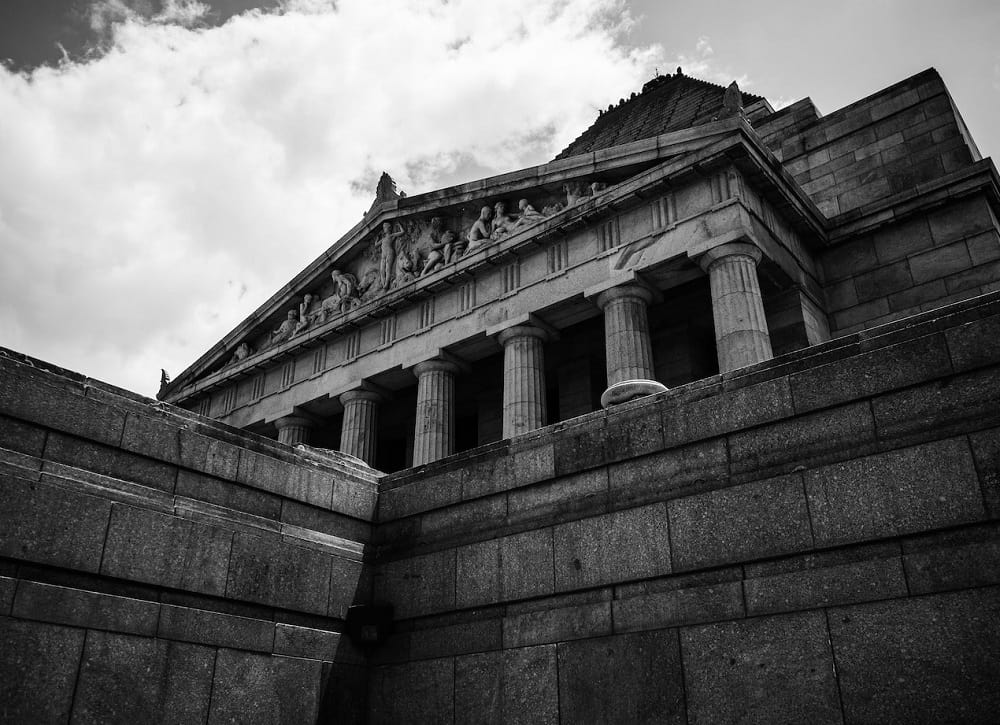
628, 390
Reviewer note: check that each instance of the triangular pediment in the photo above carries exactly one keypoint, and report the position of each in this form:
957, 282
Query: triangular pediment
407, 248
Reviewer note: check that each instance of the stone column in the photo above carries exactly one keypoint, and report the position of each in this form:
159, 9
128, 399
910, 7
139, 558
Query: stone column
293, 429
434, 431
523, 379
741, 335
359, 433
626, 333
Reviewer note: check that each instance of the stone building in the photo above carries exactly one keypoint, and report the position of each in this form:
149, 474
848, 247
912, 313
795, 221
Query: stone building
698, 422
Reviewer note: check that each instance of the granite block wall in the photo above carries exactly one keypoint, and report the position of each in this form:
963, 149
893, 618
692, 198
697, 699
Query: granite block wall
156, 566
812, 539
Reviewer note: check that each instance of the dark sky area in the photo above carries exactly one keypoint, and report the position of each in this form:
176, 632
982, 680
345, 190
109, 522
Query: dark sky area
32, 31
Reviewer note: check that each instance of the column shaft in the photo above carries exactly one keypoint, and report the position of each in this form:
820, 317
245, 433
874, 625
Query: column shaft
434, 431
293, 429
359, 432
523, 379
741, 334
626, 333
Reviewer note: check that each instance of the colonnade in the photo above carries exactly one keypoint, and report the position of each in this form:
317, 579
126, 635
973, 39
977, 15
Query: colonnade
741, 339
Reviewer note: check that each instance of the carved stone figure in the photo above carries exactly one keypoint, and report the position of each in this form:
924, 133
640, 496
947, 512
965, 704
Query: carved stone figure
406, 266
482, 229
385, 244
528, 215
597, 187
286, 329
732, 101
242, 352
442, 247
576, 191
369, 286
305, 313
503, 223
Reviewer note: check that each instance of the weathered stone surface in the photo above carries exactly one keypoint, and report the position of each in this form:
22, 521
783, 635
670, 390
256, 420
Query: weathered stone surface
628, 678
898, 492
956, 404
633, 432
126, 679
213, 490
418, 585
870, 373
255, 688
350, 582
51, 525
670, 473
776, 669
308, 642
739, 523
817, 581
21, 437
62, 605
476, 636
418, 693
611, 548
529, 679
810, 438
690, 605
975, 343
110, 462
986, 452
533, 463
580, 447
214, 628
268, 570
478, 573
559, 497
729, 411
526, 564
490, 474
927, 659
345, 694
445, 522
56, 403
557, 625
7, 587
953, 560
38, 666
157, 548
297, 482
478, 688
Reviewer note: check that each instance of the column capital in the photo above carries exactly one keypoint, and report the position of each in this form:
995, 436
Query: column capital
624, 291
510, 333
360, 394
435, 364
293, 421
730, 249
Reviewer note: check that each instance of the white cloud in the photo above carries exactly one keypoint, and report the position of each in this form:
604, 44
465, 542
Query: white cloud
704, 46
153, 197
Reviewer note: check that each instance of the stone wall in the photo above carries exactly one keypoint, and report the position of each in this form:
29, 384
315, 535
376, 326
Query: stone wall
156, 566
811, 539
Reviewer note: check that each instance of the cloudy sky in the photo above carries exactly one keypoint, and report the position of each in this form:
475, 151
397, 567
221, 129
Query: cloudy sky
168, 164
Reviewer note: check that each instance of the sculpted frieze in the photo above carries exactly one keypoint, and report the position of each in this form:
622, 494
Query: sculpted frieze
401, 251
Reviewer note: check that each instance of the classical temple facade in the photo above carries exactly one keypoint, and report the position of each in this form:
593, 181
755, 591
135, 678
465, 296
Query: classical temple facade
691, 230
697, 423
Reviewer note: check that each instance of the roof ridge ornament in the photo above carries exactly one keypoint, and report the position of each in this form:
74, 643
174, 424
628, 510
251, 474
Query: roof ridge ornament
385, 191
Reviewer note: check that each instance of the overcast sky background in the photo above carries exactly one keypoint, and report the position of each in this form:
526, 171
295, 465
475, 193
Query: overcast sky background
167, 165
